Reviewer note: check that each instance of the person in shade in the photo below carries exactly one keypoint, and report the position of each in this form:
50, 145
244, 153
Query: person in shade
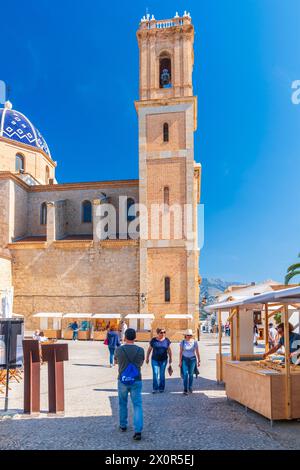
294, 341
189, 359
113, 342
130, 359
273, 336
160, 348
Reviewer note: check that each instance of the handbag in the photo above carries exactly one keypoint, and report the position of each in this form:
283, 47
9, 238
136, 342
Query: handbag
170, 370
106, 342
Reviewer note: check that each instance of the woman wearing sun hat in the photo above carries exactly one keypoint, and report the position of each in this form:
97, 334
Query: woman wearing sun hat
189, 358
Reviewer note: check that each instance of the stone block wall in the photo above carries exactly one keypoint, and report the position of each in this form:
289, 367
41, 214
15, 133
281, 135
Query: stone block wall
35, 162
73, 210
76, 277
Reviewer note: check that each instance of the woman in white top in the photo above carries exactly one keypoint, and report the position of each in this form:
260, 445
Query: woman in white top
188, 359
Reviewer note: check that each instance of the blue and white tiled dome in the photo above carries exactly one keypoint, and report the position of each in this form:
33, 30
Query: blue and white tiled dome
14, 125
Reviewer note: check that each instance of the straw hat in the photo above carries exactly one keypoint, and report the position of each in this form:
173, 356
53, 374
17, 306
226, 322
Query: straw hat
188, 332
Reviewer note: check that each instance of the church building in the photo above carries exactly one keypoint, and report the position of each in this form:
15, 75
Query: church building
52, 252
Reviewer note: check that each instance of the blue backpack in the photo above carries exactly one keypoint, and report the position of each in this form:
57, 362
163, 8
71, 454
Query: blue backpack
131, 372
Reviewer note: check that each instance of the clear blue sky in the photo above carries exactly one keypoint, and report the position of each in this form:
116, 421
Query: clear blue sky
72, 67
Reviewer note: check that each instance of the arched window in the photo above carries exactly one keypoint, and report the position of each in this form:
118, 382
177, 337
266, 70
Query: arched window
47, 174
165, 73
166, 195
43, 215
19, 163
167, 289
130, 202
166, 132
86, 212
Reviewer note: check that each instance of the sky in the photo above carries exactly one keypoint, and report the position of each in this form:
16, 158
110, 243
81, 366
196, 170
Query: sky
72, 68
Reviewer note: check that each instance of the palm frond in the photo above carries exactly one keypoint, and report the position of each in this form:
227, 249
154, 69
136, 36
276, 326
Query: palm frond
293, 267
290, 275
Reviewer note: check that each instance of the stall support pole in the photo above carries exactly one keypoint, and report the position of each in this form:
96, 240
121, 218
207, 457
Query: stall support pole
238, 348
287, 362
231, 336
220, 345
266, 328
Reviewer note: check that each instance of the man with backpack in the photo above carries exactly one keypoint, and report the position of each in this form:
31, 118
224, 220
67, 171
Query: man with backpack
130, 358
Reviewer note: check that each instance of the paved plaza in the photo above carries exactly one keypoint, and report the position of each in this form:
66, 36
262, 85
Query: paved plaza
204, 420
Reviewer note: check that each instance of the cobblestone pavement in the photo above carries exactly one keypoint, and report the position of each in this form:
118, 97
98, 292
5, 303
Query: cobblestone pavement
204, 420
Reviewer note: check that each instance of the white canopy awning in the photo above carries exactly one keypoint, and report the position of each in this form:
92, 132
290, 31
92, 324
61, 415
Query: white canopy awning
48, 315
17, 315
179, 316
141, 316
78, 315
284, 296
107, 315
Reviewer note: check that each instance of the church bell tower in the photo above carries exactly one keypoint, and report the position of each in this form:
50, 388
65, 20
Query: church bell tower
168, 175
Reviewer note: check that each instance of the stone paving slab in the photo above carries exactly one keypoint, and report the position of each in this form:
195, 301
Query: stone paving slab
204, 420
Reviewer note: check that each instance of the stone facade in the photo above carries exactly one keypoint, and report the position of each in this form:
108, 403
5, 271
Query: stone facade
37, 164
75, 277
58, 262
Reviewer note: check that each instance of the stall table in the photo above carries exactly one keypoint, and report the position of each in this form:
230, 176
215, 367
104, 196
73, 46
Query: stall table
269, 386
262, 388
52, 334
99, 335
68, 333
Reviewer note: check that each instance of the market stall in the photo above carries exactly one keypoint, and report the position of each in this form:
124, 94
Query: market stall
176, 324
103, 321
142, 323
50, 324
84, 324
268, 386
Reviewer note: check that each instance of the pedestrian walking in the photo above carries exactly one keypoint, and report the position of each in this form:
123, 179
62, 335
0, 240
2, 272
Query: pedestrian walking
130, 358
123, 328
255, 334
75, 329
160, 348
273, 336
113, 342
189, 360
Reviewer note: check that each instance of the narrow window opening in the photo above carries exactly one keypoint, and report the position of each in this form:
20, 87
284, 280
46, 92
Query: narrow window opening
19, 163
86, 212
166, 132
43, 217
167, 289
165, 76
130, 203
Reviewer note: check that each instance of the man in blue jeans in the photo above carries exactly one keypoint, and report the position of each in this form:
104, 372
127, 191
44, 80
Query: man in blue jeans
125, 355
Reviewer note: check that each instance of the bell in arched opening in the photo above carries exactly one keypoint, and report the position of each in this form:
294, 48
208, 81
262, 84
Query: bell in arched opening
165, 76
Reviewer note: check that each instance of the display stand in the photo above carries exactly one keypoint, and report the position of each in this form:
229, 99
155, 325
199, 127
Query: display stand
32, 367
266, 386
55, 355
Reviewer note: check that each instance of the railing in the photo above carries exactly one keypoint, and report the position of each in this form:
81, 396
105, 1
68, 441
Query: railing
168, 23
152, 23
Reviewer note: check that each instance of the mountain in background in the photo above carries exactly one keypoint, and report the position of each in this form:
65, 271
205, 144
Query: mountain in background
211, 287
